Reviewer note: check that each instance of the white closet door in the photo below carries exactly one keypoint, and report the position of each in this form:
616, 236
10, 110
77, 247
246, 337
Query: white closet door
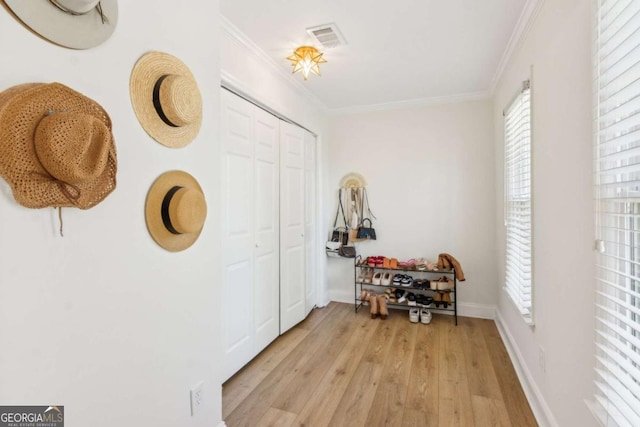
292, 226
266, 304
237, 231
250, 231
310, 220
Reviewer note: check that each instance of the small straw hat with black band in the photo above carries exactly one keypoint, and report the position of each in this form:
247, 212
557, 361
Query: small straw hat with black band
77, 24
175, 210
166, 99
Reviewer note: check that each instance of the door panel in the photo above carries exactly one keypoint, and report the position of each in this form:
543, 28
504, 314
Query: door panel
292, 221
310, 220
267, 230
237, 232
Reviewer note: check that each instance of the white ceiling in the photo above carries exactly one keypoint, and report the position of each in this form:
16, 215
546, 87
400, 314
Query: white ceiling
398, 50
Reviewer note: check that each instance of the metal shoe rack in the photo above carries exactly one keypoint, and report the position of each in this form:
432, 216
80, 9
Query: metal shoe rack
358, 286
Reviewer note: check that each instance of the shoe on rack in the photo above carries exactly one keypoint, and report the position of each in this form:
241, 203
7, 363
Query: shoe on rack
393, 263
411, 297
373, 302
438, 299
371, 261
397, 280
427, 302
444, 283
376, 278
425, 316
382, 306
386, 279
407, 281
401, 295
409, 264
446, 299
386, 262
364, 297
414, 315
368, 278
362, 274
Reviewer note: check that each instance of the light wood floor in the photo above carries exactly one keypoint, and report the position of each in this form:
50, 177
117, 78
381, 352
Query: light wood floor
338, 368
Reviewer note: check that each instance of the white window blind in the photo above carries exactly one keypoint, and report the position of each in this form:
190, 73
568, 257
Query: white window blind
517, 165
617, 167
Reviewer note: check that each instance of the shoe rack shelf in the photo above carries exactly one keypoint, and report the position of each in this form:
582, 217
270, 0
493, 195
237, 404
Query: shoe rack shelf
450, 307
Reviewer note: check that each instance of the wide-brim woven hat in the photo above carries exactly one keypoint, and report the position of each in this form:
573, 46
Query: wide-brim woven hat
77, 24
166, 99
175, 210
56, 147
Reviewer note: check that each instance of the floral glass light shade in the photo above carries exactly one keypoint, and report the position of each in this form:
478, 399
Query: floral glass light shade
306, 59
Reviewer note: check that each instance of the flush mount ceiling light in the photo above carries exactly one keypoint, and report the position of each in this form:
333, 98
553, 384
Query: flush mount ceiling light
306, 59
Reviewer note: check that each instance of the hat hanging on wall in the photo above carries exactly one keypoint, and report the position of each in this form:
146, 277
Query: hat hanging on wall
77, 24
56, 147
353, 180
175, 210
166, 99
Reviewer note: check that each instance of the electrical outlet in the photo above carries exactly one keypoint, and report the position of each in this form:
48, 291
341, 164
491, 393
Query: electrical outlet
541, 359
196, 398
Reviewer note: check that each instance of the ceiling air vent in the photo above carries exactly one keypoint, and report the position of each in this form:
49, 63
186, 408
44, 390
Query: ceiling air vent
327, 35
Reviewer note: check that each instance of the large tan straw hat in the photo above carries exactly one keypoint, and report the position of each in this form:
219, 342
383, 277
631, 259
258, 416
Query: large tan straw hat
175, 210
166, 99
56, 147
78, 24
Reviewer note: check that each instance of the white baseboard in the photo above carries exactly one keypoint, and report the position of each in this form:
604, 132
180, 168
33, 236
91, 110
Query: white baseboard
222, 424
480, 311
538, 404
341, 296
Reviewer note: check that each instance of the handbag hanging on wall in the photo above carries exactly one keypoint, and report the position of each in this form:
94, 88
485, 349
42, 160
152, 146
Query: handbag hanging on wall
339, 235
366, 230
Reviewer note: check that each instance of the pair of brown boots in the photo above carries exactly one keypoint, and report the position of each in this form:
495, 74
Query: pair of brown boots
443, 298
377, 304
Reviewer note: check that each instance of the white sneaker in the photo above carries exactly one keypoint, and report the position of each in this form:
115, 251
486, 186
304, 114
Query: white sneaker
425, 316
414, 315
377, 278
386, 279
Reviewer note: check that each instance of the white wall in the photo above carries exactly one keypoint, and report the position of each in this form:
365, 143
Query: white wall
430, 179
558, 47
104, 321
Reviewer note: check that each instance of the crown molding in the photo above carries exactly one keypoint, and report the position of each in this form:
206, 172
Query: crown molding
235, 33
523, 26
412, 103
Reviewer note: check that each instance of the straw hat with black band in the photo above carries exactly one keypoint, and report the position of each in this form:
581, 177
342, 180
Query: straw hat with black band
77, 24
166, 99
56, 147
175, 210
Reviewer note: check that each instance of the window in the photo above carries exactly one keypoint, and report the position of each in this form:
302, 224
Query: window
617, 179
517, 166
